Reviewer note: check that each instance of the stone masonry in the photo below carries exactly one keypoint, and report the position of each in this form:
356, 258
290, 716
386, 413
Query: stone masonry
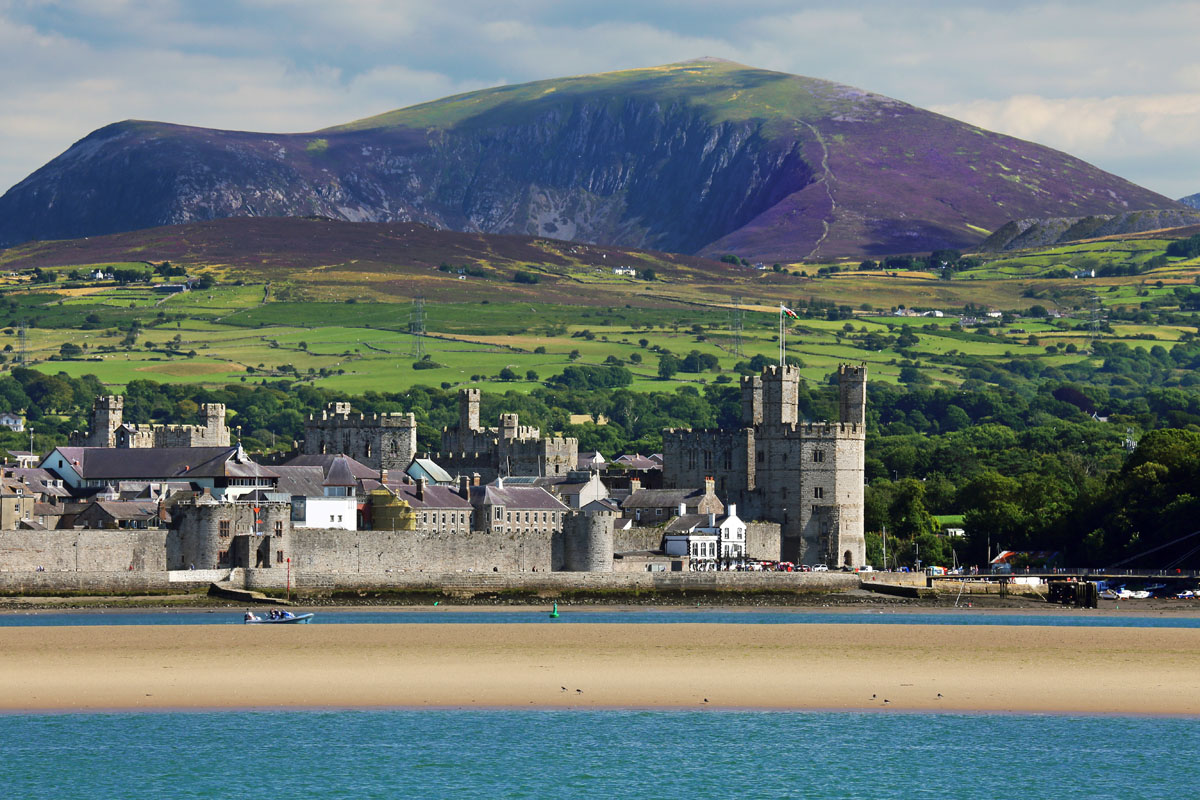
511, 449
381, 441
107, 428
807, 476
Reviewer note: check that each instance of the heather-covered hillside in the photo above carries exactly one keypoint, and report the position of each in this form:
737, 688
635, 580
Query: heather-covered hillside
703, 157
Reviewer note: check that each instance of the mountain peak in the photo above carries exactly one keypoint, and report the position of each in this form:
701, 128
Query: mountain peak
704, 156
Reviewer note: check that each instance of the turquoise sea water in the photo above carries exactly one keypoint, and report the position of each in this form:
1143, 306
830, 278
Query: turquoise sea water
594, 754
1055, 617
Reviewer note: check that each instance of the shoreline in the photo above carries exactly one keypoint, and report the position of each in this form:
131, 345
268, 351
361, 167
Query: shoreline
835, 604
916, 668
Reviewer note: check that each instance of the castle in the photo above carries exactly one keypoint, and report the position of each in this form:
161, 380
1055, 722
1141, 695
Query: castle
807, 476
381, 441
511, 449
108, 429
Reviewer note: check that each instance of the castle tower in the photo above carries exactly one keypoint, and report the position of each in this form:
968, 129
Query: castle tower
107, 414
780, 395
216, 434
588, 541
508, 426
468, 410
752, 399
852, 393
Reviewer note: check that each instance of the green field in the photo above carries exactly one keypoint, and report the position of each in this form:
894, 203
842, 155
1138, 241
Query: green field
243, 332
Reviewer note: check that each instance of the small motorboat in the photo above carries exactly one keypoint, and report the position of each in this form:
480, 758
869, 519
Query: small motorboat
277, 618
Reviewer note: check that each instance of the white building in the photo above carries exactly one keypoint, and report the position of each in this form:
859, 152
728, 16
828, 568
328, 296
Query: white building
711, 542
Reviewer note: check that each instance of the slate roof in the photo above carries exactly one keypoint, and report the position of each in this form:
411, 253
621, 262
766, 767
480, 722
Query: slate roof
637, 461
434, 496
301, 481
340, 473
516, 497
663, 498
687, 523
157, 463
325, 461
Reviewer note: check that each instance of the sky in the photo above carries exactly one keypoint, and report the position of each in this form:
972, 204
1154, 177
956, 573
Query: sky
1114, 83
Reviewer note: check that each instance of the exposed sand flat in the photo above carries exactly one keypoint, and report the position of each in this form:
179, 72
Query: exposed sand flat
1113, 670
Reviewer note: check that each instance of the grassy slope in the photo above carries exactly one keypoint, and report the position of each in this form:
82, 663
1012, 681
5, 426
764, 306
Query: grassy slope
482, 325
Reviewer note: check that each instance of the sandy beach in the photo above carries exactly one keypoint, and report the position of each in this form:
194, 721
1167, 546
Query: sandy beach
886, 667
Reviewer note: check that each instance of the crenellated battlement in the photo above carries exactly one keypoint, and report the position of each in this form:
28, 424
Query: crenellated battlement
805, 475
381, 441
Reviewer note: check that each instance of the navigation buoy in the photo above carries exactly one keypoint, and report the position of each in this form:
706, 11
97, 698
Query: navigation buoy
554, 613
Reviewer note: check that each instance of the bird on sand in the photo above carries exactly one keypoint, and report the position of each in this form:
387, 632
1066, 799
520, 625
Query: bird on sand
579, 691
564, 688
886, 701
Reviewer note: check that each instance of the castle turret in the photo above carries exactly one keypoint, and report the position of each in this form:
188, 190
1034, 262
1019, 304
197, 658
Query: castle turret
588, 541
780, 395
107, 414
468, 410
852, 393
216, 433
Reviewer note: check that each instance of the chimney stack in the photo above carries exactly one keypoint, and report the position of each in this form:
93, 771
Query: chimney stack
420, 488
682, 509
464, 487
383, 476
635, 484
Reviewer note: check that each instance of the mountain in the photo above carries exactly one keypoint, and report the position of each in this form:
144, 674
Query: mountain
703, 157
1022, 234
1192, 200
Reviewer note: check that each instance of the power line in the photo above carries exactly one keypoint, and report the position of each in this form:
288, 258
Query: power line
735, 326
416, 328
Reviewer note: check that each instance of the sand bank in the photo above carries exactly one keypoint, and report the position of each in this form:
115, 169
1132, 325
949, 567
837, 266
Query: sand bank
1030, 669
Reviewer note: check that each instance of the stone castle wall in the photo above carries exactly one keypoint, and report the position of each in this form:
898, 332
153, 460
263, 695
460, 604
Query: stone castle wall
808, 477
107, 428
338, 552
97, 550
381, 441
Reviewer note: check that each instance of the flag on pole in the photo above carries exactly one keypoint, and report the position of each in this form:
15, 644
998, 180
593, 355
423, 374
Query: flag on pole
787, 312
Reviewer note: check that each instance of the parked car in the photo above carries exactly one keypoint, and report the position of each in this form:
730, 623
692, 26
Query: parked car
804, 568
866, 568
820, 568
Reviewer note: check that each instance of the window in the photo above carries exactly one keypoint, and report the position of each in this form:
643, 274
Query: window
727, 459
818, 456
279, 527
818, 492
816, 509
278, 556
499, 513
222, 556
223, 528
691, 459
708, 459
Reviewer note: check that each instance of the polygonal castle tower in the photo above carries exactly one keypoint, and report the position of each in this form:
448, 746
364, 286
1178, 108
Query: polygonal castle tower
381, 441
807, 476
511, 449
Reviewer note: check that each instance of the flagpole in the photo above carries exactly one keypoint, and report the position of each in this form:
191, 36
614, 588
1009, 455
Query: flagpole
781, 335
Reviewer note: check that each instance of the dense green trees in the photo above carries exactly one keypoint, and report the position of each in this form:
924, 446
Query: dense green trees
1025, 467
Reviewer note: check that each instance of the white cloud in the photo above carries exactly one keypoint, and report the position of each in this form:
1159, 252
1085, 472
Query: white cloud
1157, 133
1110, 81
